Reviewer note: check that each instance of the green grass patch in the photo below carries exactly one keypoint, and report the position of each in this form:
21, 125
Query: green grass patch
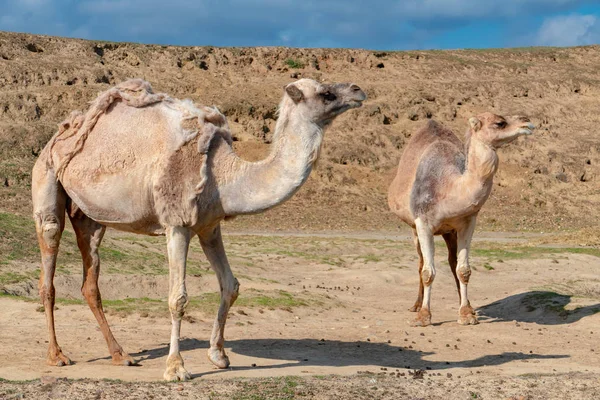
292, 63
9, 277
524, 252
369, 258
18, 239
488, 267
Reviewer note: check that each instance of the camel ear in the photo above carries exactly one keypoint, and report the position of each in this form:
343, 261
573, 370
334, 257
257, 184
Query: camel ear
475, 124
295, 93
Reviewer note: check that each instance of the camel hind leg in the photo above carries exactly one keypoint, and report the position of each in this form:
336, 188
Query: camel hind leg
466, 314
49, 203
89, 236
451, 240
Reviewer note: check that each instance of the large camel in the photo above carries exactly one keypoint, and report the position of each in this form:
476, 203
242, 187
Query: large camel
150, 164
439, 189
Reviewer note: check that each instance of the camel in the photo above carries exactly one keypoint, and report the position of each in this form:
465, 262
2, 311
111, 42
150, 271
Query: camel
440, 186
150, 164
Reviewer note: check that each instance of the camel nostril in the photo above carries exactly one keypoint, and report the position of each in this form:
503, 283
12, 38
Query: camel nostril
355, 88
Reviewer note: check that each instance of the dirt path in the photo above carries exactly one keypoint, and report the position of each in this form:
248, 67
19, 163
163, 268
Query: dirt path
344, 312
535, 318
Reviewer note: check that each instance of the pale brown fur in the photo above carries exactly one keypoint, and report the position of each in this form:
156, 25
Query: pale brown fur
150, 164
439, 189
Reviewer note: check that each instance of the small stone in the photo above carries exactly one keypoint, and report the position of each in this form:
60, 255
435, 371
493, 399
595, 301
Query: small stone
48, 379
562, 177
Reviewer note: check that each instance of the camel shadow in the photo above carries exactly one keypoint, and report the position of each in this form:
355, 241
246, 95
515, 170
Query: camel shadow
335, 353
541, 307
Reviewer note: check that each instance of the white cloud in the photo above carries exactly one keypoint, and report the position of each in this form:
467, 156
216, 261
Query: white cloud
466, 9
571, 30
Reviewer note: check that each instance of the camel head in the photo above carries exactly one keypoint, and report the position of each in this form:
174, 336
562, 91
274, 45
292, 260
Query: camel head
496, 130
321, 102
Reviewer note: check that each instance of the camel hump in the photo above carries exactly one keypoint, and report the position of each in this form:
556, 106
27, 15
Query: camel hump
441, 157
434, 131
136, 93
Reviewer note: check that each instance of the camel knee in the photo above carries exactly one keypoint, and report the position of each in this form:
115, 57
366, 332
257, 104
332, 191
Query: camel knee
90, 292
464, 273
49, 230
177, 305
231, 291
47, 292
427, 276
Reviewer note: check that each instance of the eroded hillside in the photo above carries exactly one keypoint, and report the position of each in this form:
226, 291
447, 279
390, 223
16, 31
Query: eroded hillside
550, 181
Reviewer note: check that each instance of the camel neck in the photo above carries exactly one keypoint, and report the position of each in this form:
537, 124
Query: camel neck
482, 161
264, 184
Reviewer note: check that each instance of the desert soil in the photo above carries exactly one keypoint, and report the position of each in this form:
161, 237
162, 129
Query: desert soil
327, 278
331, 318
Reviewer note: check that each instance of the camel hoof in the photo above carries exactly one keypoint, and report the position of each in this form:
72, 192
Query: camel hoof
467, 316
175, 370
218, 358
178, 374
423, 319
419, 322
415, 308
59, 360
123, 359
468, 320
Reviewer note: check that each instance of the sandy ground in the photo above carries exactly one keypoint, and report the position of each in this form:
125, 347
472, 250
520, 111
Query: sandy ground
538, 322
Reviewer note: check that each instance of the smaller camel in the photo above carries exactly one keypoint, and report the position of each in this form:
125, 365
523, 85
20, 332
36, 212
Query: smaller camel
439, 189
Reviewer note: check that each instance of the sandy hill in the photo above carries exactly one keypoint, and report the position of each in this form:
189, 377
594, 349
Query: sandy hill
550, 181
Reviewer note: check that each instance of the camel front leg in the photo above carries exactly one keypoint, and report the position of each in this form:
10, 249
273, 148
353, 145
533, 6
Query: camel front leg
178, 241
466, 314
425, 238
417, 306
212, 244
49, 204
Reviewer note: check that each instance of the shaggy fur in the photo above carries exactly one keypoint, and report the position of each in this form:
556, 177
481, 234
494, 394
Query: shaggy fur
138, 93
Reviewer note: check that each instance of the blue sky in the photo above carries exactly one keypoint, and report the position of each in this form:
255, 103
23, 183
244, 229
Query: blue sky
374, 24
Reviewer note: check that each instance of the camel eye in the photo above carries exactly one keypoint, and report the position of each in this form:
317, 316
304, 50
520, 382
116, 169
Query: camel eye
501, 124
329, 96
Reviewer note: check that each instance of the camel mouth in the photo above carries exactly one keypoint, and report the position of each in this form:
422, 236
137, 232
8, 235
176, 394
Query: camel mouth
527, 129
355, 103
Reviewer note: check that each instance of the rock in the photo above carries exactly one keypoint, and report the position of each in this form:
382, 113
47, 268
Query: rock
47, 380
562, 177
